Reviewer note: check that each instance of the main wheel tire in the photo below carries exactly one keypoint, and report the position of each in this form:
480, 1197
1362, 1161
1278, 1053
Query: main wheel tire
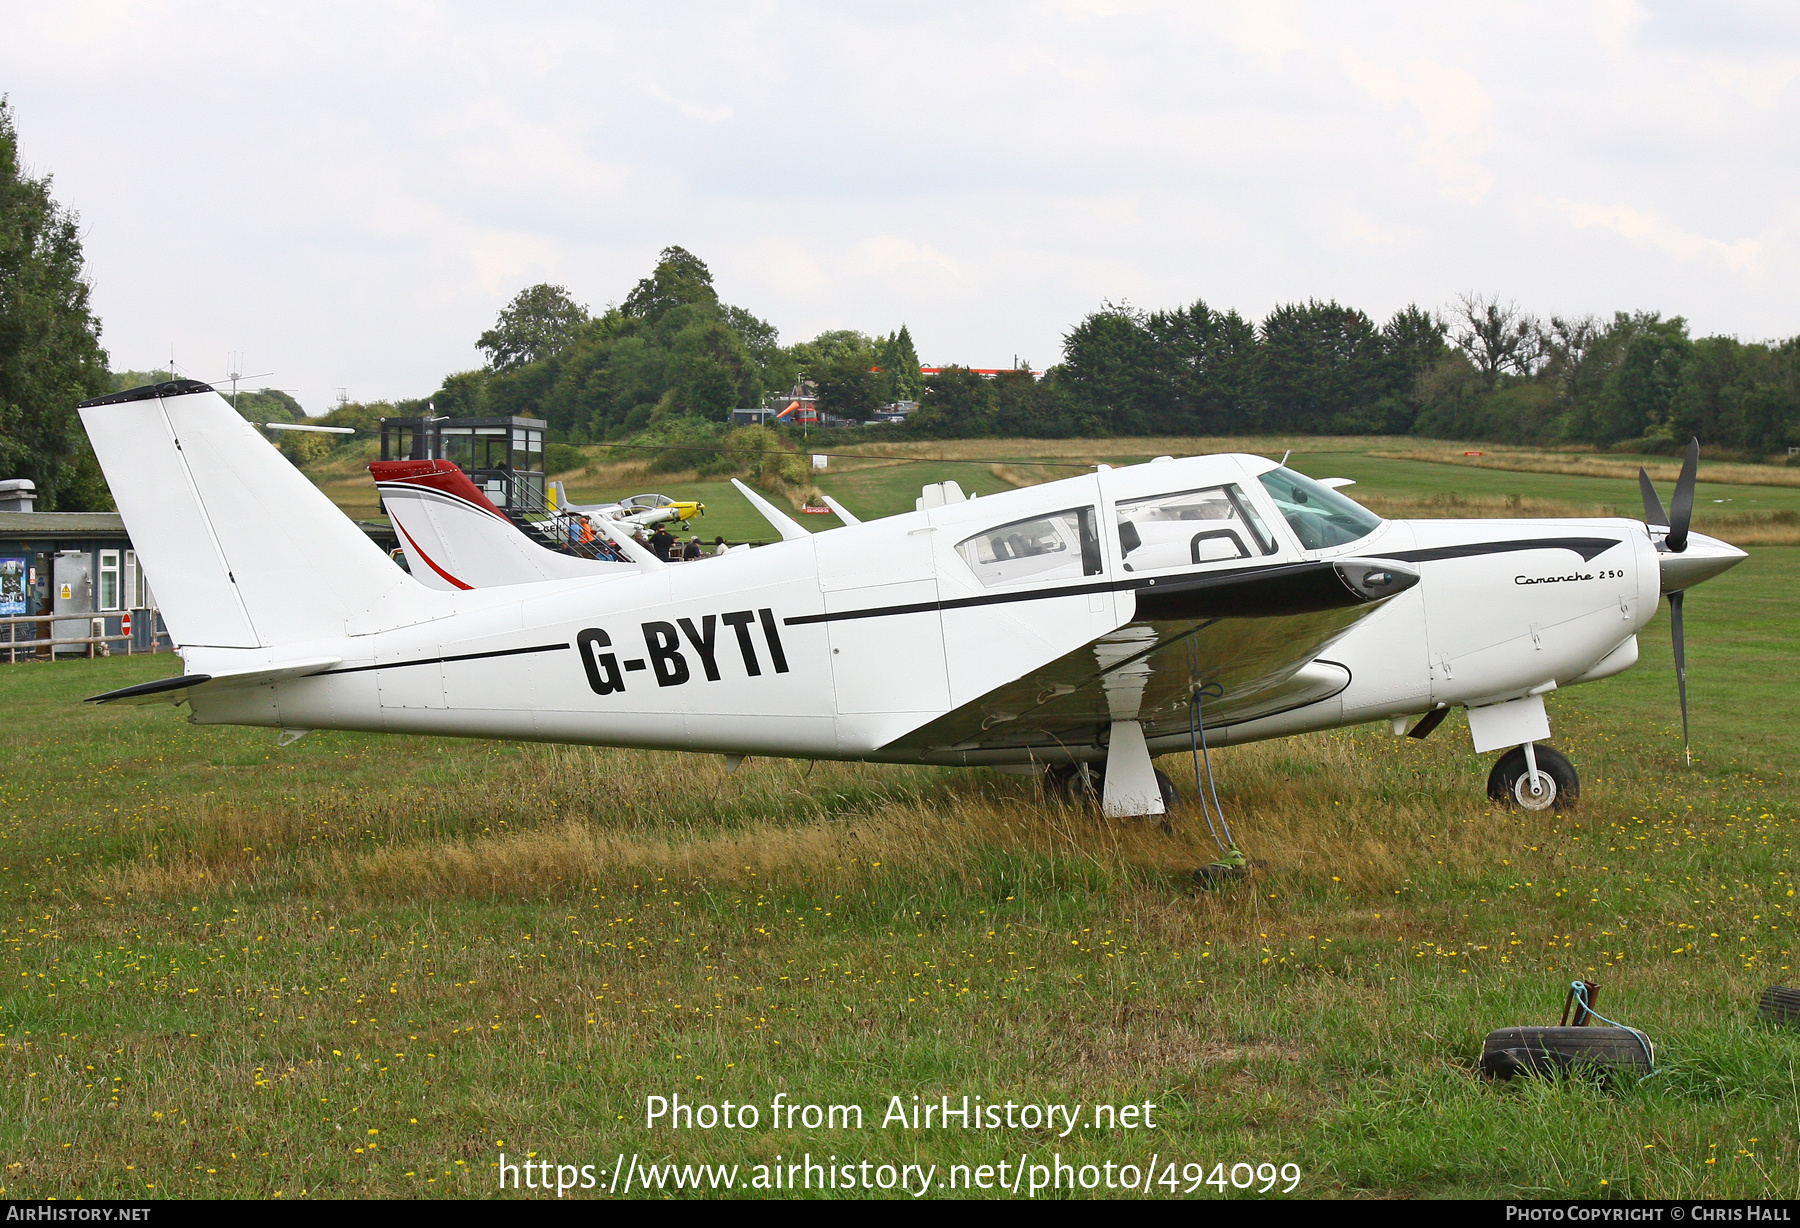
1076, 784
1084, 784
1510, 781
1555, 1051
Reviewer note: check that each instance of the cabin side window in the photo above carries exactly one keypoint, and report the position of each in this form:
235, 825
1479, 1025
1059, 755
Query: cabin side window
1212, 525
1055, 546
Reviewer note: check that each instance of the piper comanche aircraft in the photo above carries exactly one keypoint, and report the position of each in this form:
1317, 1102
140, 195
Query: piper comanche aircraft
1058, 626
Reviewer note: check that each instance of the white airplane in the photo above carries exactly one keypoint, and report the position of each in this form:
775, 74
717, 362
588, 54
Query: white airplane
639, 511
1100, 619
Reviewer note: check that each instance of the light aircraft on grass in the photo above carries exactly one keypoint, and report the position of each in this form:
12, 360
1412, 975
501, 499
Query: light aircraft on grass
642, 511
1097, 620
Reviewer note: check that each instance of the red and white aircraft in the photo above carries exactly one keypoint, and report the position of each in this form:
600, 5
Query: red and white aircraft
455, 538
1092, 620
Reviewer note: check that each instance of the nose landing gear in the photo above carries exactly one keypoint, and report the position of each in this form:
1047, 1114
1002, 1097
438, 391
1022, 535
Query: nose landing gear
1514, 784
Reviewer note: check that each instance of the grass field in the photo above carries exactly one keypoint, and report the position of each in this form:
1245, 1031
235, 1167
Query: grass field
366, 966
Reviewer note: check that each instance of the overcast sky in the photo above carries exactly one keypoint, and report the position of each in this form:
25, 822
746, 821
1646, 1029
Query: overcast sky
347, 195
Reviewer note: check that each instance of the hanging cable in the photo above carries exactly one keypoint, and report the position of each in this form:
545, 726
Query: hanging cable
1229, 854
1199, 784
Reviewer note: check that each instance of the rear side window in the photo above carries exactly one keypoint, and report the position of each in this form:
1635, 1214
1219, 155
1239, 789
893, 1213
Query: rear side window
1055, 546
1211, 525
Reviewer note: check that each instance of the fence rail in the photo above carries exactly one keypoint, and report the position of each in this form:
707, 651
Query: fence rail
11, 648
62, 618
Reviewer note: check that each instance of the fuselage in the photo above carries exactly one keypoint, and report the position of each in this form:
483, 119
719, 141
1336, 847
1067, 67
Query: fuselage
846, 644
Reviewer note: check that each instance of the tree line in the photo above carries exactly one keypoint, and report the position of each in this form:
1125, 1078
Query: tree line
671, 360
1480, 369
671, 350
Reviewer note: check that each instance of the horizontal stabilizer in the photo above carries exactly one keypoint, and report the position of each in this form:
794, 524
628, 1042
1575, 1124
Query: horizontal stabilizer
843, 513
787, 526
174, 690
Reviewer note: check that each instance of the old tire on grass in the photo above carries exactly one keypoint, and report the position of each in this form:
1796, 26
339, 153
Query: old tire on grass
1510, 785
1780, 1005
1556, 1051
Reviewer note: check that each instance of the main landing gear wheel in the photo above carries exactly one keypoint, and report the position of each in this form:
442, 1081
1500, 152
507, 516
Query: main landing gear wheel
1083, 784
1510, 781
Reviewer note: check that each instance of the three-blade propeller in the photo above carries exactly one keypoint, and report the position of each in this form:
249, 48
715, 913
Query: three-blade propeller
1675, 541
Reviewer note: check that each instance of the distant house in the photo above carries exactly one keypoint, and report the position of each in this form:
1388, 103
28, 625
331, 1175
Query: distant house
755, 415
78, 566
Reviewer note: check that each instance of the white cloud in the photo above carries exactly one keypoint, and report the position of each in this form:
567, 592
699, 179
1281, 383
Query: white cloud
1451, 111
1267, 31
1652, 230
886, 254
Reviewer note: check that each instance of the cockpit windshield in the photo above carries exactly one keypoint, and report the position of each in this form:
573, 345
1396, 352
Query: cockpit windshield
1321, 518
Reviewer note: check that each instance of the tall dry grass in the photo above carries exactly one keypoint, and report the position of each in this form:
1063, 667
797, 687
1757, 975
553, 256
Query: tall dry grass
1528, 460
573, 818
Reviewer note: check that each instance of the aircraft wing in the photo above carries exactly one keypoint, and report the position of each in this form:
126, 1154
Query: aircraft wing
1260, 659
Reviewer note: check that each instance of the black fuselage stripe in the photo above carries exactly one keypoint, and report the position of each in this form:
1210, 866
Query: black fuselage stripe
466, 656
1587, 547
958, 603
1049, 594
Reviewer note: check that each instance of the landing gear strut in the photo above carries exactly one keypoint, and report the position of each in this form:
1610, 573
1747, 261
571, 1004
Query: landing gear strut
1512, 784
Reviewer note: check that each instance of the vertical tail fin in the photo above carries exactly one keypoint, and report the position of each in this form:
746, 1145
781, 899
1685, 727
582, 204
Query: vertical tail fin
455, 538
244, 551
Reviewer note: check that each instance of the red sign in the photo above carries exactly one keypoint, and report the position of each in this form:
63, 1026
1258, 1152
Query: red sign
1471, 453
125, 625
816, 511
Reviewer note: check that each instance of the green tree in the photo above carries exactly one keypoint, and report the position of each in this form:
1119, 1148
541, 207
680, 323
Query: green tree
1028, 405
50, 355
1322, 369
1109, 369
849, 388
1203, 366
956, 404
899, 365
540, 320
1413, 343
679, 277
268, 405
464, 395
1640, 392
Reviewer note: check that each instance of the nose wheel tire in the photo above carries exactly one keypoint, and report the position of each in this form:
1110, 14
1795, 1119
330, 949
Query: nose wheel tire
1510, 782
